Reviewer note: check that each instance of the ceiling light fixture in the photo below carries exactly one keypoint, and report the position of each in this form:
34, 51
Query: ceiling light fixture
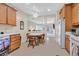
49, 9
35, 15
35, 9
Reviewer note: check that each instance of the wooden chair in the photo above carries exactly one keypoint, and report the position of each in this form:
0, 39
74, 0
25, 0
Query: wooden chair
42, 40
37, 40
32, 42
27, 37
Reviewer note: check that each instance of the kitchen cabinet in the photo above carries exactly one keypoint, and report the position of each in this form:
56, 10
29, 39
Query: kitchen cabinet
7, 15
66, 14
75, 14
11, 16
68, 17
15, 41
3, 13
67, 43
62, 12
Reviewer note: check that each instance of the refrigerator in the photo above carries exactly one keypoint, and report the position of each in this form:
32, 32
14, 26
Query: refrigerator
61, 33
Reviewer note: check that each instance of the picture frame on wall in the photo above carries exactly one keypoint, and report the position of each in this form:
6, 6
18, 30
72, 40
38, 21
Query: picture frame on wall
21, 25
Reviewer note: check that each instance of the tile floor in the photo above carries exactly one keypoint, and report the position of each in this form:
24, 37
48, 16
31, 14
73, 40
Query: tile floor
50, 48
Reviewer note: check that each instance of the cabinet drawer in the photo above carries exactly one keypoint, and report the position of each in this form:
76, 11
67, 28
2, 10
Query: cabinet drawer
12, 36
14, 39
14, 46
18, 37
15, 42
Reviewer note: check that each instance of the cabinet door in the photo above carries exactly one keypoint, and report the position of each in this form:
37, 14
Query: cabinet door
68, 17
15, 42
11, 16
75, 14
3, 17
67, 44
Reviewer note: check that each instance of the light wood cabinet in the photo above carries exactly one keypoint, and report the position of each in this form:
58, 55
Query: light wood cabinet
7, 15
68, 17
15, 41
67, 44
75, 14
11, 16
3, 13
66, 14
62, 13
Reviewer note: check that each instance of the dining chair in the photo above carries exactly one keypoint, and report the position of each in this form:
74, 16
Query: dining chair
37, 40
27, 40
42, 40
32, 42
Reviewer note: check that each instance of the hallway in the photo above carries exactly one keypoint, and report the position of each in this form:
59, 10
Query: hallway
50, 48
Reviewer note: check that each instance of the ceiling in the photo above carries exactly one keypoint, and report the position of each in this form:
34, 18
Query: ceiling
40, 9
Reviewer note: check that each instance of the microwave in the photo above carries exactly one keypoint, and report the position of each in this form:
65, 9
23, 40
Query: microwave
73, 30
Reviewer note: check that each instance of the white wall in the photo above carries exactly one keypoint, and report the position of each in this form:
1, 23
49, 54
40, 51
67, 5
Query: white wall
20, 16
44, 19
31, 25
50, 19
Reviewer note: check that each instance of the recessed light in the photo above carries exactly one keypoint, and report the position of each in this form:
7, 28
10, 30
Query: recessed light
49, 9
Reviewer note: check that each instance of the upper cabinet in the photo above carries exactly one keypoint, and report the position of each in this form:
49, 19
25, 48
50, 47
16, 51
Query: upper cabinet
11, 16
68, 17
7, 15
75, 14
62, 12
3, 13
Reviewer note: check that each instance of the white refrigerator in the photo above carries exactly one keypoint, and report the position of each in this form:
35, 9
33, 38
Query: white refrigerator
61, 33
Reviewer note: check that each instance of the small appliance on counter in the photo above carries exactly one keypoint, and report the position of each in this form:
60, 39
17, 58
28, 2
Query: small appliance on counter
1, 32
75, 31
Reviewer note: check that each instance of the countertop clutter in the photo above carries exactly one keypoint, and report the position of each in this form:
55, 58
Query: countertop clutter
74, 36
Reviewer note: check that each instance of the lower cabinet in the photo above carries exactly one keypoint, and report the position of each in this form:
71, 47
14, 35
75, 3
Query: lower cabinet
15, 41
67, 44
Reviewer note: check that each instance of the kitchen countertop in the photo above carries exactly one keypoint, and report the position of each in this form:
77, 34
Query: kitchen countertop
68, 33
74, 37
6, 34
